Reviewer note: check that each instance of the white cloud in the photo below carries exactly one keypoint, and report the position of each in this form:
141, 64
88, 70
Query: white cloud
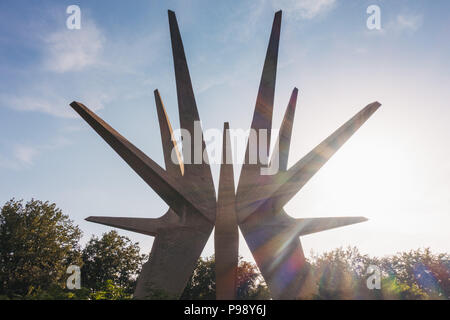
63, 52
408, 22
73, 50
55, 106
23, 155
20, 157
304, 9
43, 98
398, 25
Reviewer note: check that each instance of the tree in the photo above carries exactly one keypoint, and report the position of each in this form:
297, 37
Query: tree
37, 244
414, 275
250, 283
421, 269
110, 291
112, 260
202, 284
340, 274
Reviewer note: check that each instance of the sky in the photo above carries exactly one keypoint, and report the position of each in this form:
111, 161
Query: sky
394, 170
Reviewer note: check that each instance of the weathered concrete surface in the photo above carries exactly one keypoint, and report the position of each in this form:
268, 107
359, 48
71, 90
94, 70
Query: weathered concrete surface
226, 234
188, 189
272, 235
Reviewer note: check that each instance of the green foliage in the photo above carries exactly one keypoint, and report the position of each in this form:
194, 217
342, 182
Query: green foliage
56, 292
394, 289
202, 283
37, 244
422, 269
110, 291
250, 283
340, 274
414, 275
111, 262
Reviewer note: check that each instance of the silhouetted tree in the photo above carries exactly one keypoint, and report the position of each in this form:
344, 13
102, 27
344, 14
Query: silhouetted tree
111, 260
37, 244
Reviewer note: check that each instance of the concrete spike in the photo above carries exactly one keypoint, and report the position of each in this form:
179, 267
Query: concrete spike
196, 163
177, 194
284, 137
226, 235
140, 225
281, 187
297, 176
167, 140
306, 226
262, 116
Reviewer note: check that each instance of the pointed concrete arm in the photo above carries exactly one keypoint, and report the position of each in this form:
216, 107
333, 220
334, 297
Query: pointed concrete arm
177, 194
297, 176
285, 134
312, 225
262, 115
189, 117
146, 226
297, 227
168, 142
282, 186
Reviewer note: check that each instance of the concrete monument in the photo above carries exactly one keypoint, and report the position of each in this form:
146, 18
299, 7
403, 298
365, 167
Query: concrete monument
256, 206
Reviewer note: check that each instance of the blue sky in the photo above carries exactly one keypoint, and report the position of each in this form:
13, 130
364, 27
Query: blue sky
395, 170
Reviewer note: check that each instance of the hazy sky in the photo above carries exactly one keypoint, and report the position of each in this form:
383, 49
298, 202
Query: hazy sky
394, 170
